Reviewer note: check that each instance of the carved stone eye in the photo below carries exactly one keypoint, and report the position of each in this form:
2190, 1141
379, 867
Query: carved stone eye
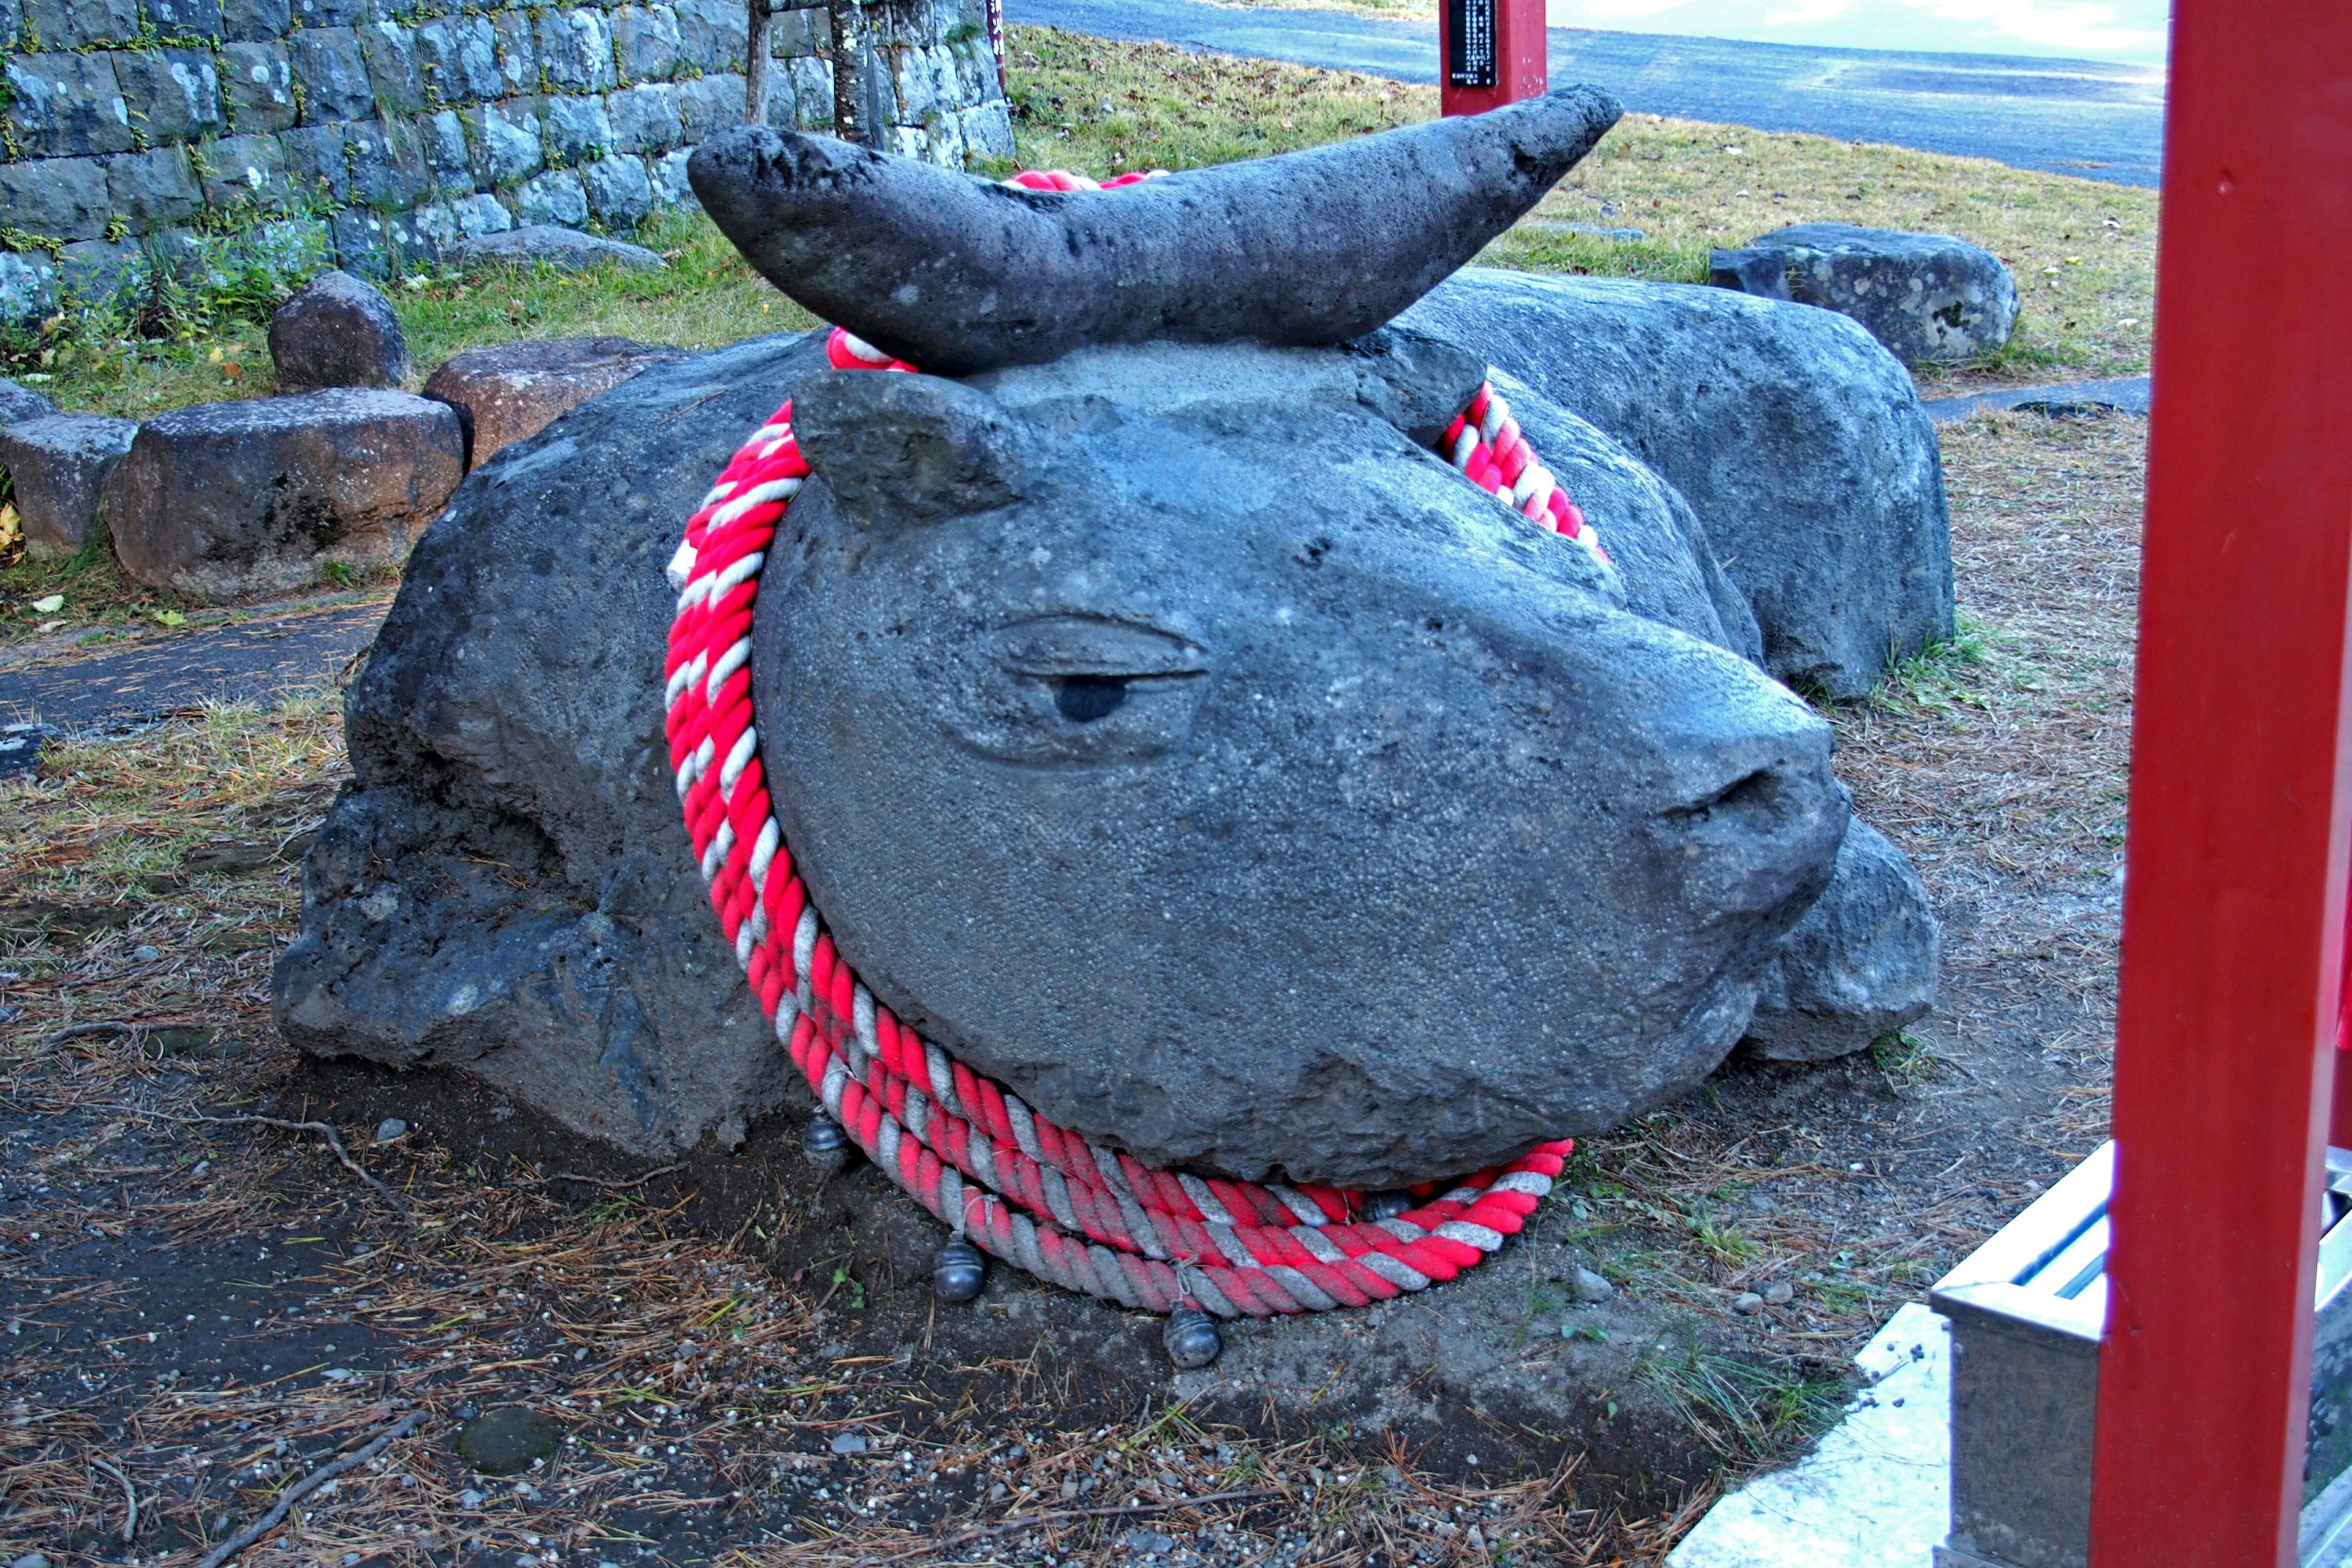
1082, 687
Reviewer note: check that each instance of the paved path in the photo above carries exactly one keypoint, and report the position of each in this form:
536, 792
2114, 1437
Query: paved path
2074, 117
258, 661
2128, 394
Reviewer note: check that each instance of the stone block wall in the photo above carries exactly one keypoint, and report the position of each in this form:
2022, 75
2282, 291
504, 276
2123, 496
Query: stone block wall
374, 132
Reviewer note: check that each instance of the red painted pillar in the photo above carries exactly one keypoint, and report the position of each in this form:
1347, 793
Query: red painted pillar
2235, 899
1489, 53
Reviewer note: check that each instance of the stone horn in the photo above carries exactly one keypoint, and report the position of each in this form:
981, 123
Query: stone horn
958, 276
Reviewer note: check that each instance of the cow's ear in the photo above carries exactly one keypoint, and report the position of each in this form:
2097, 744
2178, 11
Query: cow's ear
1417, 383
899, 449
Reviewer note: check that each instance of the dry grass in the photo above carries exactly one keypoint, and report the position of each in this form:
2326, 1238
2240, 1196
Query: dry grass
696, 1396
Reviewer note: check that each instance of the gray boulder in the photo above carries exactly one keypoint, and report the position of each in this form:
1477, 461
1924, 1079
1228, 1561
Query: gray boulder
1926, 296
228, 498
1861, 965
566, 249
21, 403
57, 468
337, 331
1798, 441
511, 391
1364, 852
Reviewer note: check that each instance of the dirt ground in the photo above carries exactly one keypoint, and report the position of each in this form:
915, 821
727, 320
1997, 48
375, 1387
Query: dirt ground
738, 1359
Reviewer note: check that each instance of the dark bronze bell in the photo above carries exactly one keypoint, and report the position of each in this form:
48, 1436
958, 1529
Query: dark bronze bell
824, 1144
958, 1271
1386, 1205
1191, 1338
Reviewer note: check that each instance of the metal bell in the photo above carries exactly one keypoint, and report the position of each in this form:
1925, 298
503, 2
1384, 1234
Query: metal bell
958, 1271
1386, 1205
1191, 1338
824, 1144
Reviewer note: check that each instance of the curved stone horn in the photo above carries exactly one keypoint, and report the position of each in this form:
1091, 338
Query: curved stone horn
958, 276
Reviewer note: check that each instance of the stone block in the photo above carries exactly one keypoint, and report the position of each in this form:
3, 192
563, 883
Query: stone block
96, 268
386, 160
988, 131
330, 75
64, 198
186, 23
506, 144
554, 197
57, 468
801, 31
708, 105
28, 285
66, 105
258, 81
177, 92
1763, 273
155, 188
256, 21
645, 119
620, 192
671, 187
448, 160
566, 249
363, 243
576, 129
315, 170
518, 56
259, 495
647, 39
389, 51
1861, 965
712, 33
19, 402
79, 24
510, 391
459, 57
479, 215
575, 49
244, 171
337, 331
334, 13
812, 90
916, 80
1926, 296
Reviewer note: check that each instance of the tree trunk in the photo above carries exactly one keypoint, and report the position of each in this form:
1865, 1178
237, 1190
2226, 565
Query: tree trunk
848, 48
757, 66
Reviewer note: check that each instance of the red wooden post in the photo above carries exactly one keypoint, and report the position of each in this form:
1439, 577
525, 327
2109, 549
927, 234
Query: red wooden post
1489, 53
2234, 900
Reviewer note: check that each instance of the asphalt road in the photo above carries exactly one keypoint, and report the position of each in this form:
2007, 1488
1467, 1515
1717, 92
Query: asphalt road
2074, 117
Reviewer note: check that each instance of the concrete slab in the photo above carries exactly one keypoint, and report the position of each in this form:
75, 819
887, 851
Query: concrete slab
1875, 1493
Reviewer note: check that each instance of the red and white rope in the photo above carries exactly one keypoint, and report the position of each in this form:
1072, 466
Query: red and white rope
1069, 1210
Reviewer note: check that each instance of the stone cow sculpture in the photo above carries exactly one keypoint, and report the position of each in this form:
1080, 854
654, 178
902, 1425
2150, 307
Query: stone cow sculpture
1161, 725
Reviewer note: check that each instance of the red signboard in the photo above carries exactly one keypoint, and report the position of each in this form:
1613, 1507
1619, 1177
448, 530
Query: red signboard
2234, 894
1489, 53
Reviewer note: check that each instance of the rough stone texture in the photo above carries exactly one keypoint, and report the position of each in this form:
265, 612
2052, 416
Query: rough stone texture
1925, 296
21, 403
337, 331
512, 391
1797, 439
385, 123
1316, 247
1861, 965
227, 498
1763, 273
1103, 679
565, 248
58, 466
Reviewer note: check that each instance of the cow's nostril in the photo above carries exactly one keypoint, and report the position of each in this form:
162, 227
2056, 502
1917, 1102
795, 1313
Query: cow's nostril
1082, 698
1757, 792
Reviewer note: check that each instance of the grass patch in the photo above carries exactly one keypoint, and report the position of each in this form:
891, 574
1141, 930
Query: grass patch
1743, 1411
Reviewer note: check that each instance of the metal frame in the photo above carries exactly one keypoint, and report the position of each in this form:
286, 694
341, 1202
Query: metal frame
2233, 907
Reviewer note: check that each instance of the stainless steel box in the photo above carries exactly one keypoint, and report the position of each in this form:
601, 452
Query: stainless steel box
2026, 1311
